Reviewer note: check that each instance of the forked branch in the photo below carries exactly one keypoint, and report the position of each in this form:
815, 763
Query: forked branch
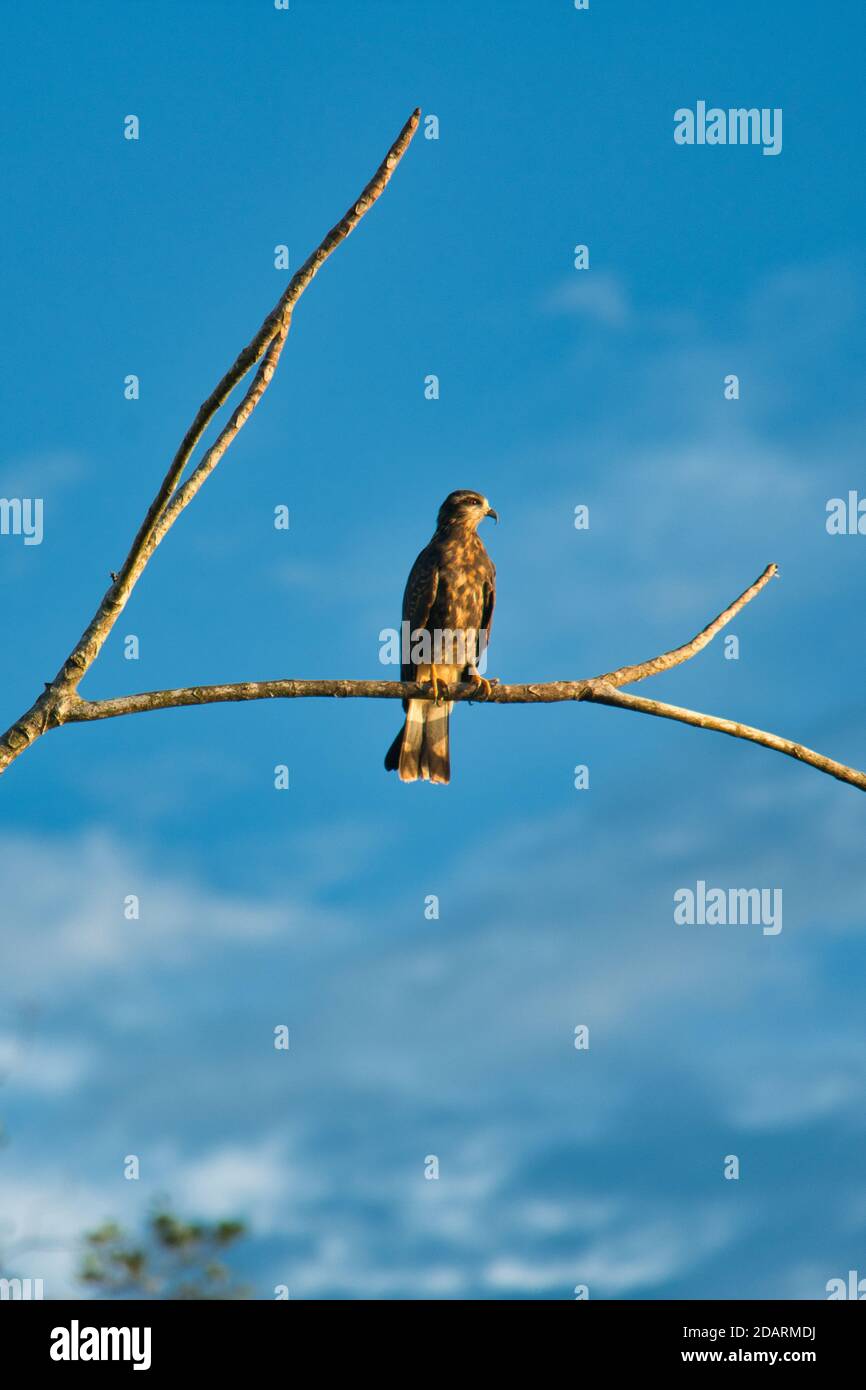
601, 690
51, 708
61, 703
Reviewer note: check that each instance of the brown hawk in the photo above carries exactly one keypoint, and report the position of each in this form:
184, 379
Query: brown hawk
447, 612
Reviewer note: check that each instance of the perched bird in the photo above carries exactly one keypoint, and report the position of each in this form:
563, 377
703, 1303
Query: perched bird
447, 612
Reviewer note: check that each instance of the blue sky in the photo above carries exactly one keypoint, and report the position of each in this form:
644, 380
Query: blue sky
453, 1037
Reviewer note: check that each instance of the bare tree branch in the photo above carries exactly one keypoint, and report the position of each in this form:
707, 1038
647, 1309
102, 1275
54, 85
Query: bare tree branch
602, 690
61, 704
164, 509
627, 675
596, 690
48, 711
609, 695
548, 692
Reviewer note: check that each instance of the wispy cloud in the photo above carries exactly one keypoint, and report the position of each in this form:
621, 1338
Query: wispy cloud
596, 295
461, 1045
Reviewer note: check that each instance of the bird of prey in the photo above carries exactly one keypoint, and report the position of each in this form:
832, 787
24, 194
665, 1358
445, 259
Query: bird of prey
447, 612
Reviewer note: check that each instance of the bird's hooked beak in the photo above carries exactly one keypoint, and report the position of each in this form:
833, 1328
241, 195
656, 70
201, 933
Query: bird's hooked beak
491, 512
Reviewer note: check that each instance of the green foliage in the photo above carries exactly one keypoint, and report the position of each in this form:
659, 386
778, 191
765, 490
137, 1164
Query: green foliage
173, 1260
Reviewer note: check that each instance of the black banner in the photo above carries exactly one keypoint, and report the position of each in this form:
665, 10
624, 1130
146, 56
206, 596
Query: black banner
81, 1339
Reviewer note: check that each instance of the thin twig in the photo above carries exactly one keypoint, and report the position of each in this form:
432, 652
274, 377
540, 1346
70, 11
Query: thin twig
602, 695
184, 495
627, 675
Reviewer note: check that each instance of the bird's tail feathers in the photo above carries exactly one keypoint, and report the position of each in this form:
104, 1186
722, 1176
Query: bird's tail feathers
421, 749
435, 746
411, 749
392, 757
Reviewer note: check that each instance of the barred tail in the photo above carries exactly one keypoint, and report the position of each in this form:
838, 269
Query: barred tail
421, 749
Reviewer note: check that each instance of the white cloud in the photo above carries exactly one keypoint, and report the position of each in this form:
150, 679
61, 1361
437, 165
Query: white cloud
43, 1215
593, 294
41, 474
462, 1045
648, 1253
252, 1181
47, 1067
63, 919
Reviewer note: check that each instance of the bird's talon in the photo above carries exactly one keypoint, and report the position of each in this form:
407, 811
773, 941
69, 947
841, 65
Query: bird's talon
483, 687
437, 686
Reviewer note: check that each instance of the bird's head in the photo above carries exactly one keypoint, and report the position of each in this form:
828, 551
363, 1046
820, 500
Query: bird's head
465, 508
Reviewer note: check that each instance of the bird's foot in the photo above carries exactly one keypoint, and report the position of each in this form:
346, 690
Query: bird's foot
483, 687
437, 685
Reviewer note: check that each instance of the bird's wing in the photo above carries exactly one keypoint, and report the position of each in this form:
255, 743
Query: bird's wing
419, 597
489, 603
